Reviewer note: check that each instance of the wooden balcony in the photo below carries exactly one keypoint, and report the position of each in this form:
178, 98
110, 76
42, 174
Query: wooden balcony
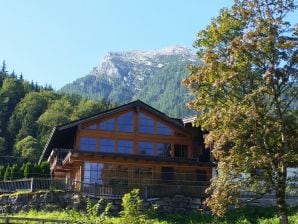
69, 154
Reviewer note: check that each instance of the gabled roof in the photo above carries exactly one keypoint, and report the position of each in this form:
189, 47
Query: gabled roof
74, 124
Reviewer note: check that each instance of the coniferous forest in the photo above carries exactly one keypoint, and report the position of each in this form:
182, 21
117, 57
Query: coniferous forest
28, 112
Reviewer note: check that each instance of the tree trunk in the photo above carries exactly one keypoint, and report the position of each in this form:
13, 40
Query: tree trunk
281, 194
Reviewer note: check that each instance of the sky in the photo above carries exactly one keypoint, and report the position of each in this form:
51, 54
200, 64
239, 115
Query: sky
57, 41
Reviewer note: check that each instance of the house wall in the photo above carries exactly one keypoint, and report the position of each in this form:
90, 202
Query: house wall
179, 139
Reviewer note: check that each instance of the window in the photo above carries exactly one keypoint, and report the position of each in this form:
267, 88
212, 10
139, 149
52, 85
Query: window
146, 148
91, 127
142, 175
118, 175
106, 145
93, 172
202, 175
163, 149
162, 129
146, 124
167, 174
125, 147
125, 122
180, 151
108, 125
88, 144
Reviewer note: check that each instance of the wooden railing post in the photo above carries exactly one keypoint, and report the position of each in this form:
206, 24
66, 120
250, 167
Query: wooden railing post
6, 221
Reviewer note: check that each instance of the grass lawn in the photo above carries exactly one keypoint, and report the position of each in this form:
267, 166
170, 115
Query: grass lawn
245, 216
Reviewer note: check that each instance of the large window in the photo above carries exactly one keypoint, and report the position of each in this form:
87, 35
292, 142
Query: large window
125, 122
142, 175
88, 144
162, 129
163, 150
108, 125
180, 151
146, 124
125, 147
146, 148
93, 172
106, 145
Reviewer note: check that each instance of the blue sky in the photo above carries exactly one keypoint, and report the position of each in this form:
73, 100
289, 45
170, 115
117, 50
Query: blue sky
57, 41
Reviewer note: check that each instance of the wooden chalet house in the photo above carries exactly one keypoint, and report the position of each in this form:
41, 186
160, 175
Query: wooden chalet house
130, 145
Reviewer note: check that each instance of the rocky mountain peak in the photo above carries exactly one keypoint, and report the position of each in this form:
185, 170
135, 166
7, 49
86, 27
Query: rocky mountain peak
128, 63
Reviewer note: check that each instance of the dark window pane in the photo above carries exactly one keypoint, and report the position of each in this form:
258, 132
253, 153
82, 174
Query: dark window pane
167, 174
180, 151
162, 129
146, 148
88, 144
125, 147
125, 122
108, 125
106, 145
146, 124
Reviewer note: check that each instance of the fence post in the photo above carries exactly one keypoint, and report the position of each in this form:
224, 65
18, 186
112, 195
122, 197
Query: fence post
6, 221
32, 184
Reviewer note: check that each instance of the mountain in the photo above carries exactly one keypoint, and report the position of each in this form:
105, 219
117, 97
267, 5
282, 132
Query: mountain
151, 76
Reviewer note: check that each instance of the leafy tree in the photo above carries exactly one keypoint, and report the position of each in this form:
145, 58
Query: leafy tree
245, 92
58, 113
87, 108
29, 148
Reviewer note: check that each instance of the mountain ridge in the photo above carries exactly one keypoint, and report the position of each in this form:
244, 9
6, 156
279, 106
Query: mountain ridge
151, 76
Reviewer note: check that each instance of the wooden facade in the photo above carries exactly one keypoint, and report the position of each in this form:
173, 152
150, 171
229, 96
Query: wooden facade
130, 145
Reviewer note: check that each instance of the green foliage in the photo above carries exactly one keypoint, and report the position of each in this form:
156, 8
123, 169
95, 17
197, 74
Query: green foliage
248, 216
26, 170
246, 92
28, 112
28, 148
132, 209
92, 214
7, 174
2, 145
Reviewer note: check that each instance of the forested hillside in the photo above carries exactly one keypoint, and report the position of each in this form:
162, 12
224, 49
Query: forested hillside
28, 112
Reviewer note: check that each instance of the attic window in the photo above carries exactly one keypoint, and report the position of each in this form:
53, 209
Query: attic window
146, 124
162, 129
108, 125
125, 122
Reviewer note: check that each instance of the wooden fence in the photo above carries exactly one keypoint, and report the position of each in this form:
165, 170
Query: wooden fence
10, 220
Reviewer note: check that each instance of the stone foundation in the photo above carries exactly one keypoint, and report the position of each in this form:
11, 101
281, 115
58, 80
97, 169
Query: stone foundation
57, 200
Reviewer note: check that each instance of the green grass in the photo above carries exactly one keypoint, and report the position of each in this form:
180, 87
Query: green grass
250, 215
